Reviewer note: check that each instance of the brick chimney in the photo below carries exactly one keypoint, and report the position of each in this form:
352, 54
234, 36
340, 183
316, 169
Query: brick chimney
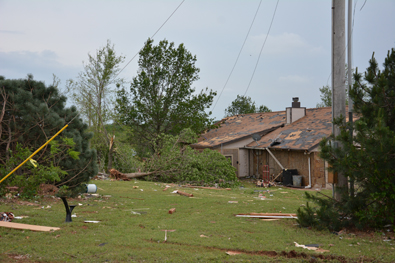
295, 112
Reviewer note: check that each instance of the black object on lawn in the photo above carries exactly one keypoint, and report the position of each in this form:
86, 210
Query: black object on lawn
69, 209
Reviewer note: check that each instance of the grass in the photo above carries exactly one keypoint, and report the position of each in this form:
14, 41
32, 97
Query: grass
132, 223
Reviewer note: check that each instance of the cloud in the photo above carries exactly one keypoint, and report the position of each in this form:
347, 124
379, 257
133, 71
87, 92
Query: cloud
284, 44
17, 64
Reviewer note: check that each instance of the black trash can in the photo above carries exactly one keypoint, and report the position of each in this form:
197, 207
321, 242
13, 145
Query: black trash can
287, 176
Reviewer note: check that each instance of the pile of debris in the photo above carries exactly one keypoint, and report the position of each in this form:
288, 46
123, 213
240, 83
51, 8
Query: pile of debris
6, 216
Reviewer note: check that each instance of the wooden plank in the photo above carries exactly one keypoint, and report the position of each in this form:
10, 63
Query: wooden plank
271, 214
28, 227
171, 211
184, 194
260, 216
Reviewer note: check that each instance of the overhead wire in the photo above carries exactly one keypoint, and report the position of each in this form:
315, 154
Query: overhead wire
238, 56
256, 64
151, 37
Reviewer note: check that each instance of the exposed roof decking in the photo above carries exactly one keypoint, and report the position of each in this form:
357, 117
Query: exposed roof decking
303, 134
239, 127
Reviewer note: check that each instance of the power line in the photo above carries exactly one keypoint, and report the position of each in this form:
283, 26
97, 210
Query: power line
237, 59
151, 37
256, 64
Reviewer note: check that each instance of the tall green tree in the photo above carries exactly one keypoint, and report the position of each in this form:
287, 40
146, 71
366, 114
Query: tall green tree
161, 98
326, 93
244, 105
94, 94
30, 114
368, 156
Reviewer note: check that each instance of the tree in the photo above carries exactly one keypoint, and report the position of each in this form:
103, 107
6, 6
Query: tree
244, 105
368, 156
161, 98
178, 162
94, 93
326, 93
30, 114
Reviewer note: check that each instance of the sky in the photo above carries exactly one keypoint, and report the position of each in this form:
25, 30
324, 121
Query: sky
43, 37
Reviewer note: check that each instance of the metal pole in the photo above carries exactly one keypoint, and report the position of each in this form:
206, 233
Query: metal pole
338, 77
350, 82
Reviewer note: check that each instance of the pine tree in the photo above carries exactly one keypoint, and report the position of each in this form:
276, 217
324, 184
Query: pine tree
30, 114
368, 156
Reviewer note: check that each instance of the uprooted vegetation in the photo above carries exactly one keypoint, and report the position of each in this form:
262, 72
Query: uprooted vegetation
175, 161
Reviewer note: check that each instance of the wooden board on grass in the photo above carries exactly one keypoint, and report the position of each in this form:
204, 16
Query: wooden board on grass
28, 227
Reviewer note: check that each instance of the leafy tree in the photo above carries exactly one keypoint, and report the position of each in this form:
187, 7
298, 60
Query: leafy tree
368, 156
94, 94
161, 98
326, 93
244, 105
178, 162
30, 114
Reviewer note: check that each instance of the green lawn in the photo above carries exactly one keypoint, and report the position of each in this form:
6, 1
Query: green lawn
132, 223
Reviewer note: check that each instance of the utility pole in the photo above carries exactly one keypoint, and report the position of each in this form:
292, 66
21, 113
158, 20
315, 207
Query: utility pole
338, 80
350, 83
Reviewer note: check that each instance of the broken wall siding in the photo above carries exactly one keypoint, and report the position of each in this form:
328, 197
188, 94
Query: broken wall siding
290, 160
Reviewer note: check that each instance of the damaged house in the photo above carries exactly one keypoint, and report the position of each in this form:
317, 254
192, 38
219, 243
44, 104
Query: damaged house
271, 144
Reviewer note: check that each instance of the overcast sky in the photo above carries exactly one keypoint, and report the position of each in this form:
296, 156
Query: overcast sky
54, 37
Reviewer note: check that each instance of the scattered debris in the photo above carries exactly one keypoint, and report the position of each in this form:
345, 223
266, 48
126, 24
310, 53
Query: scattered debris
314, 247
28, 227
268, 215
135, 187
205, 187
102, 244
20, 217
232, 253
182, 193
6, 216
135, 213
172, 230
118, 175
165, 188
203, 236
171, 211
233, 202
95, 222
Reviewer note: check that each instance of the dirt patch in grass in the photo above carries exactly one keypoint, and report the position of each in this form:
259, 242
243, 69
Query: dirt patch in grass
285, 254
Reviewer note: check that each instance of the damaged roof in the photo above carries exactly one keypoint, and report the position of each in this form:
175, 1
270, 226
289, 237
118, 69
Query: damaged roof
239, 127
303, 134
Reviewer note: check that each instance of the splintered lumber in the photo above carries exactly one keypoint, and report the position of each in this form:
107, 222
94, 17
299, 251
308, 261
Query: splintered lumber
118, 175
171, 211
165, 188
28, 227
184, 194
272, 181
268, 215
